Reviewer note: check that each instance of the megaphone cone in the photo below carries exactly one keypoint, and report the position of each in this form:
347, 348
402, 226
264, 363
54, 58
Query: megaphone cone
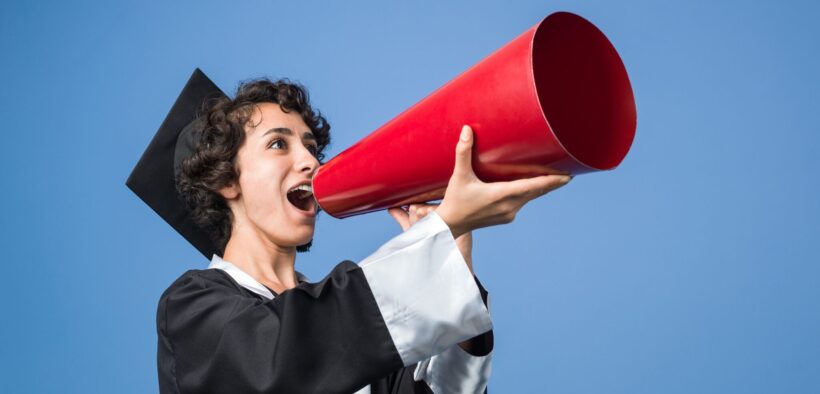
555, 100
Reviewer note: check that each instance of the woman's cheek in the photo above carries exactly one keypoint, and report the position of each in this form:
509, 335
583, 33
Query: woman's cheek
260, 198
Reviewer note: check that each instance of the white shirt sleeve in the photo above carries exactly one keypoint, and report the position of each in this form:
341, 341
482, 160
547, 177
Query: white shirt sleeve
455, 370
427, 296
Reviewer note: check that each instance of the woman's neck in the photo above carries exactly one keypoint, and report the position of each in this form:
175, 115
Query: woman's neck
270, 264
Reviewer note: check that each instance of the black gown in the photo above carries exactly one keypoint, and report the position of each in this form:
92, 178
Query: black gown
389, 324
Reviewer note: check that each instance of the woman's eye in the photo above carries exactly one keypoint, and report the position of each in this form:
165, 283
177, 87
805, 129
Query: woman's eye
274, 142
313, 149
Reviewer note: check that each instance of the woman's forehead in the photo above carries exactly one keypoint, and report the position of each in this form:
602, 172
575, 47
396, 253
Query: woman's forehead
266, 116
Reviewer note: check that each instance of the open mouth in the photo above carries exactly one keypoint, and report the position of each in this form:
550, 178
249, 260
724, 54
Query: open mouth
302, 198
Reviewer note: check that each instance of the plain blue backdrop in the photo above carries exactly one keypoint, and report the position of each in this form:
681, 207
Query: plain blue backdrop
691, 268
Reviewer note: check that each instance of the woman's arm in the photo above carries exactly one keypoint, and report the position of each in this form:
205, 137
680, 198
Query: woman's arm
464, 368
464, 242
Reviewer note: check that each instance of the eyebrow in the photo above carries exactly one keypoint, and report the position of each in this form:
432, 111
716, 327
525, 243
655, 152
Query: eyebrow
286, 131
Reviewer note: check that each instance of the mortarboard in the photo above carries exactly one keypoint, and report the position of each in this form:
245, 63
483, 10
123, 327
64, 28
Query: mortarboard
153, 178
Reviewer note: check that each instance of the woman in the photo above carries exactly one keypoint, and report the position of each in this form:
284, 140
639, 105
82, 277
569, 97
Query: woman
409, 318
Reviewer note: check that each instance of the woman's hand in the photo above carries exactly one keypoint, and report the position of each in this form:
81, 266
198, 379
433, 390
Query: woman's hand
470, 204
417, 211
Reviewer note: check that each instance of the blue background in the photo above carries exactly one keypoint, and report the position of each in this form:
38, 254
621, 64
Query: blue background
693, 267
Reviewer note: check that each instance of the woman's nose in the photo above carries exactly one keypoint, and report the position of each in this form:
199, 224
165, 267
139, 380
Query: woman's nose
307, 162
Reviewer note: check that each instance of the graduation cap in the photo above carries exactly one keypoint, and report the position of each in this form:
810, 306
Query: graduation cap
153, 178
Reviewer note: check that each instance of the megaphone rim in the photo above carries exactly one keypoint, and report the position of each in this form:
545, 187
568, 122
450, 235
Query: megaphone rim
615, 59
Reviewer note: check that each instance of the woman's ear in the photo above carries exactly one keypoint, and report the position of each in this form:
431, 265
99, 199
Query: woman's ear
230, 192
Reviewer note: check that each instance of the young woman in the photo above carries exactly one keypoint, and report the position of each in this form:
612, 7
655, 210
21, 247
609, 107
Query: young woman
410, 318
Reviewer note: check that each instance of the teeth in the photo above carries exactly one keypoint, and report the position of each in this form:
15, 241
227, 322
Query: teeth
307, 188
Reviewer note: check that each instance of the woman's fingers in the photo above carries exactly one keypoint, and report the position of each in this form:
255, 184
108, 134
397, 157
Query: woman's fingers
401, 217
414, 213
530, 188
425, 209
419, 211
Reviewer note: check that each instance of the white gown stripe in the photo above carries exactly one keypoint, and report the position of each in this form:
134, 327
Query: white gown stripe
425, 292
240, 276
243, 278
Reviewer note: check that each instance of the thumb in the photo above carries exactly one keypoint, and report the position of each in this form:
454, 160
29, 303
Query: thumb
464, 154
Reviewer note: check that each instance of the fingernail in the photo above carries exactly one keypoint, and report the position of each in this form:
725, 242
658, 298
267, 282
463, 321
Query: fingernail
465, 134
566, 179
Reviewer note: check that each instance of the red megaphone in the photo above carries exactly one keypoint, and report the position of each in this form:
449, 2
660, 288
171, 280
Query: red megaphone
556, 99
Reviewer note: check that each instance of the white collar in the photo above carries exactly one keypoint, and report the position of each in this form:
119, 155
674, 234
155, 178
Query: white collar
243, 278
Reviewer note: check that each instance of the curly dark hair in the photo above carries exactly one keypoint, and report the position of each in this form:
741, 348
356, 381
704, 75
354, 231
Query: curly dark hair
212, 165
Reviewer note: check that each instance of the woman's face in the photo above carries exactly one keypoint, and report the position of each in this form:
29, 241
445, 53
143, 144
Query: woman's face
278, 153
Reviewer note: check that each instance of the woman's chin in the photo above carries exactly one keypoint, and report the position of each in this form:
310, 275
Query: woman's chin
303, 234
294, 240
300, 226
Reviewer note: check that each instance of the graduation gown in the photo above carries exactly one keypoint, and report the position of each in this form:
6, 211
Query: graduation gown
388, 324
